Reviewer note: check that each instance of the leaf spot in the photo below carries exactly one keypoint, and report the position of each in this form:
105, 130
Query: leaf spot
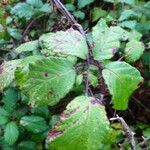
50, 93
114, 51
53, 134
66, 115
46, 74
95, 101
1, 69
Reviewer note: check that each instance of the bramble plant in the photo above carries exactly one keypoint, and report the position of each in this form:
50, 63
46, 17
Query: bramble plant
72, 61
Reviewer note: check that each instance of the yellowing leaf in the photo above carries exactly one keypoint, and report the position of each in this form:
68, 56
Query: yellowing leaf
68, 43
48, 81
7, 70
83, 126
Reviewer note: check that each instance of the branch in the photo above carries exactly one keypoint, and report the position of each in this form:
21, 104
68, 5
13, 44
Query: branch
29, 25
127, 130
75, 24
145, 143
64, 11
125, 55
90, 61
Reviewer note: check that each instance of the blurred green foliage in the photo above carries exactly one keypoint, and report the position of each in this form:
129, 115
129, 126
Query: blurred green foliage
23, 127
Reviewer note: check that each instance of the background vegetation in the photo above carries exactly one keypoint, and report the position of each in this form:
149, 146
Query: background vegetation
23, 126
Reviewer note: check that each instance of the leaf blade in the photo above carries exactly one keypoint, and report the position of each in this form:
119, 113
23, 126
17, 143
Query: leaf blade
77, 122
134, 50
7, 70
11, 133
50, 77
68, 43
28, 46
122, 79
35, 124
106, 40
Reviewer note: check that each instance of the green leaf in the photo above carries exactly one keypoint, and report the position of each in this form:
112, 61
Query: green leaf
15, 33
28, 46
93, 79
146, 132
111, 1
24, 145
61, 43
106, 40
147, 5
46, 8
79, 80
99, 32
130, 24
122, 79
83, 126
23, 10
7, 70
119, 33
129, 2
83, 3
79, 14
1, 28
9, 20
135, 35
133, 51
3, 120
11, 133
21, 73
10, 99
127, 13
53, 78
146, 59
34, 124
97, 13
41, 111
70, 7
112, 138
3, 112
35, 3
54, 120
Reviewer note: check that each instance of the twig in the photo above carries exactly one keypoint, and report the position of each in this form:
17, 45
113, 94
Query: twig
75, 24
120, 59
58, 5
64, 11
29, 25
27, 28
144, 142
127, 130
